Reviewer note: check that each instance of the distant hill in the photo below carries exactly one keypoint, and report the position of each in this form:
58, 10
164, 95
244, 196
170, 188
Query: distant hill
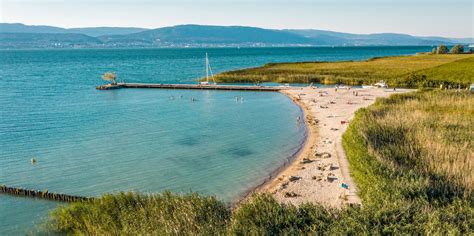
199, 34
18, 35
91, 31
21, 28
46, 40
336, 38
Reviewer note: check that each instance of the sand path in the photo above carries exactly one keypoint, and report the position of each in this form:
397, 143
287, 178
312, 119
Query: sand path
320, 173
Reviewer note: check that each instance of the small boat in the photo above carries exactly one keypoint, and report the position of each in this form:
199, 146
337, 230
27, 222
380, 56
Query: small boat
381, 84
342, 86
208, 69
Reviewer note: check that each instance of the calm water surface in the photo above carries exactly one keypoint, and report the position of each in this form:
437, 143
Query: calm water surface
89, 142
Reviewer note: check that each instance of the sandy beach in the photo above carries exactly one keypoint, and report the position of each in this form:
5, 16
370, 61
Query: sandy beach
320, 171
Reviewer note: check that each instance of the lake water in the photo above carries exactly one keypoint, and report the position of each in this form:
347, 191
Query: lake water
88, 142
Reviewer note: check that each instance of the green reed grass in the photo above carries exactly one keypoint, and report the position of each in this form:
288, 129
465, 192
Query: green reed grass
411, 156
132, 213
403, 71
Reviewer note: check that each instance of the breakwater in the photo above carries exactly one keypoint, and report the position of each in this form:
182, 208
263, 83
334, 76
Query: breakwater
43, 194
191, 86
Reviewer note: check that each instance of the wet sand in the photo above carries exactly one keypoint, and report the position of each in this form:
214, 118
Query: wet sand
319, 173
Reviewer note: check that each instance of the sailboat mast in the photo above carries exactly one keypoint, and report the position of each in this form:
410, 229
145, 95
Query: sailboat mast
207, 68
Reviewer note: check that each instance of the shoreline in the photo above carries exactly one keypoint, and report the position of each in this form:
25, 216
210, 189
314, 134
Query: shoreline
318, 172
304, 148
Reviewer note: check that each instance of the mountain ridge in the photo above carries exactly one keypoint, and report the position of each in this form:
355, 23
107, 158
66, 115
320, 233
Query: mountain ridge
17, 35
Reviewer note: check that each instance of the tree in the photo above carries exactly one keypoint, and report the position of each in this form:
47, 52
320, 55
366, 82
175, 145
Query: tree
433, 51
457, 49
442, 49
110, 76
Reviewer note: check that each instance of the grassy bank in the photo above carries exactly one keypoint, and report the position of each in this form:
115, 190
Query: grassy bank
410, 154
404, 71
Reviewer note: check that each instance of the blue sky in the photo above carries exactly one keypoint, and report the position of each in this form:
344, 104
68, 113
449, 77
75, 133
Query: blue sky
452, 18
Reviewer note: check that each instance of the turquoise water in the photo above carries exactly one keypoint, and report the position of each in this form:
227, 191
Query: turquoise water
89, 142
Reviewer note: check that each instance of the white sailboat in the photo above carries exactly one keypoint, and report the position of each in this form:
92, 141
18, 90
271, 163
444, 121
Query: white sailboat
208, 70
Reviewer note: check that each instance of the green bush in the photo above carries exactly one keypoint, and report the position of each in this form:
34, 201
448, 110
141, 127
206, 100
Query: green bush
457, 49
442, 49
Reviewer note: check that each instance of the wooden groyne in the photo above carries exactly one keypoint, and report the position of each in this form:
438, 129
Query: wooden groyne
43, 194
192, 86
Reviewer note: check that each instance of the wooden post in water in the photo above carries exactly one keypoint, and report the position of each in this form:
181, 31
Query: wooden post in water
43, 194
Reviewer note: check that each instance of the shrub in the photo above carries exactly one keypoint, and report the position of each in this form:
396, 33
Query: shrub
442, 49
457, 49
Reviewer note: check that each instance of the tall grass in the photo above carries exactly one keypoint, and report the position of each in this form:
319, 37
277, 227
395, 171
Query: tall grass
131, 213
403, 71
429, 133
263, 215
411, 156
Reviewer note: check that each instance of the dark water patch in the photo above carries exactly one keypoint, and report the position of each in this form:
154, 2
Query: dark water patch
238, 151
194, 138
188, 141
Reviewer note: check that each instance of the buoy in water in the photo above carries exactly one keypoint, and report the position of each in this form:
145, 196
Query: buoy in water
33, 160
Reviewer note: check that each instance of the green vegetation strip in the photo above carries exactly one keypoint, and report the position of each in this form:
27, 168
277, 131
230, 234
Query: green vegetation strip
410, 154
424, 70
